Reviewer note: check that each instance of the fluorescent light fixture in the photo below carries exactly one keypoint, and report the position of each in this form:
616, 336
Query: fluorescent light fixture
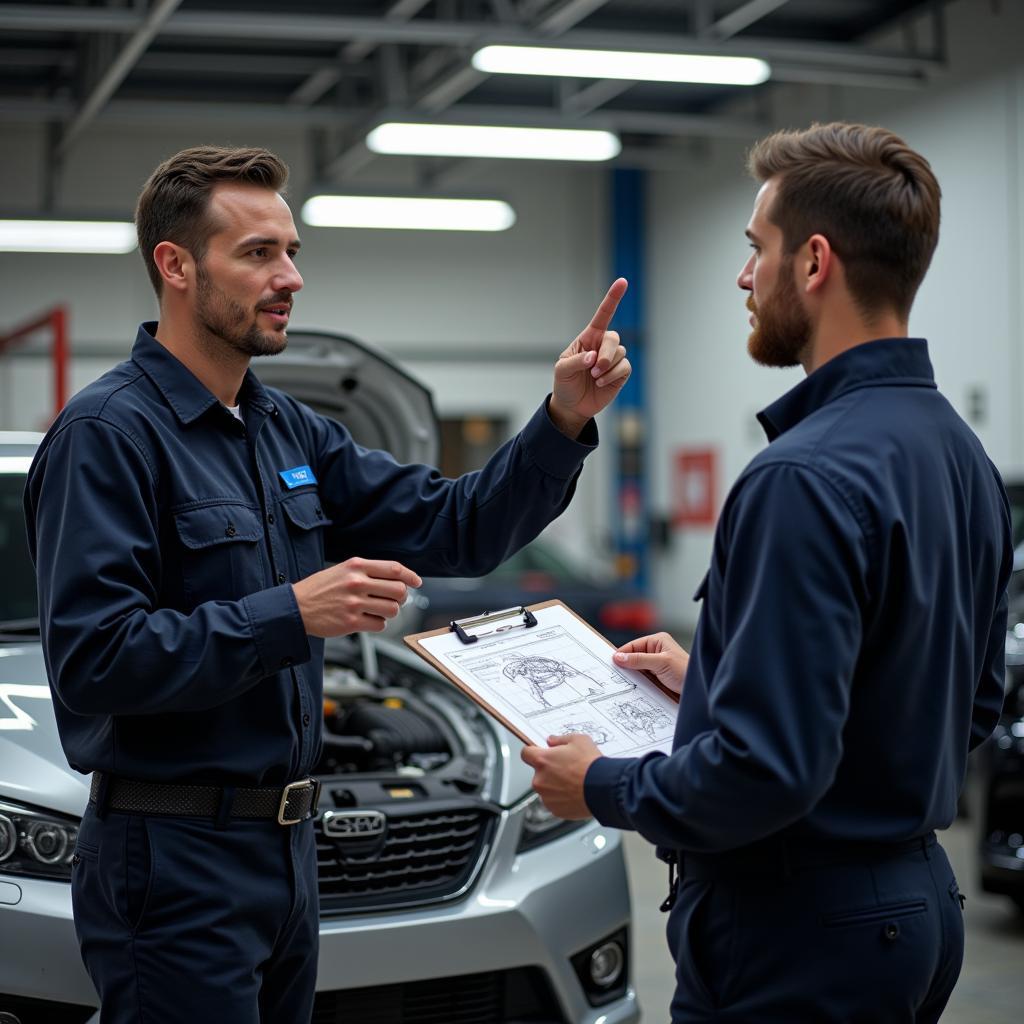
640, 67
414, 213
492, 141
14, 464
86, 236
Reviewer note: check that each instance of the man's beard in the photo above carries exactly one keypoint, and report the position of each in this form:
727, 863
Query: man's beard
224, 319
783, 329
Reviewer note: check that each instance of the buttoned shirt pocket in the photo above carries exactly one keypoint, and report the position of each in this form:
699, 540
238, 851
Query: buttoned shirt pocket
221, 557
306, 519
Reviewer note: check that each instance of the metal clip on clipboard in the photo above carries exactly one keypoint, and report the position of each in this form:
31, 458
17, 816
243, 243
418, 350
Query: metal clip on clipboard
470, 630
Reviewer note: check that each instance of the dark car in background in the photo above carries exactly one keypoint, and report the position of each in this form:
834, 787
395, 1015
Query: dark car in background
538, 572
1001, 760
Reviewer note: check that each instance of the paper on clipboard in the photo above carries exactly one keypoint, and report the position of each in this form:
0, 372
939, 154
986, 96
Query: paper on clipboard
556, 677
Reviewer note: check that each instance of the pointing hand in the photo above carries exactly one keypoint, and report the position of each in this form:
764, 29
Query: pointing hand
592, 370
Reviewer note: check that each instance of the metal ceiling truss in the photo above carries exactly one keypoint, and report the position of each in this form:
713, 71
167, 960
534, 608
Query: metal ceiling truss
413, 63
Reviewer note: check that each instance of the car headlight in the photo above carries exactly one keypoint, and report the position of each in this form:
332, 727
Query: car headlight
540, 825
1015, 644
35, 843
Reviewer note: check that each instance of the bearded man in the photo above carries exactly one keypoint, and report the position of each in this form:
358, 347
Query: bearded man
849, 651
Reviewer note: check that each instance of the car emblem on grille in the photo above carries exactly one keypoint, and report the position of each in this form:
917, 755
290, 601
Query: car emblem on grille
354, 824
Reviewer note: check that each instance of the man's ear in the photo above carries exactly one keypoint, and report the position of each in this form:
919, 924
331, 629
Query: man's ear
175, 265
818, 261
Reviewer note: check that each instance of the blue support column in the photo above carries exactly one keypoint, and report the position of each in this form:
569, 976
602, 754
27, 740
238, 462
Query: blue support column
630, 514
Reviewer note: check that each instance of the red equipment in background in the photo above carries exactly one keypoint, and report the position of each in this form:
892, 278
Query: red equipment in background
695, 487
56, 321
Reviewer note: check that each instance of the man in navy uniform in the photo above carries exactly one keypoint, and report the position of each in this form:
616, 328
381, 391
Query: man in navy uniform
180, 514
849, 650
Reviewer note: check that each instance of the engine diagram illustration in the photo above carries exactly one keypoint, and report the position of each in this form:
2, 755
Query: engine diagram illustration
556, 680
542, 674
641, 717
598, 733
534, 674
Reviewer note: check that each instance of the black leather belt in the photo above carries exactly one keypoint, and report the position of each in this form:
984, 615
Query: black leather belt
287, 805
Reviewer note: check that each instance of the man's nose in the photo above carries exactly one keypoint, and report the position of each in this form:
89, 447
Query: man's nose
746, 276
289, 279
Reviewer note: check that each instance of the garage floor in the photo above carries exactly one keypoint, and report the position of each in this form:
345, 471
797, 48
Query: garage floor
991, 986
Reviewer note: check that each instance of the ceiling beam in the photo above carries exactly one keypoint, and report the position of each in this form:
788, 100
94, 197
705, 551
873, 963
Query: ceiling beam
146, 112
263, 26
806, 74
571, 13
116, 73
177, 60
328, 76
594, 95
640, 121
743, 17
452, 85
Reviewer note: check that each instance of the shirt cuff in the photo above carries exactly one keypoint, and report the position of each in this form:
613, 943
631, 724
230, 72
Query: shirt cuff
277, 628
548, 448
602, 784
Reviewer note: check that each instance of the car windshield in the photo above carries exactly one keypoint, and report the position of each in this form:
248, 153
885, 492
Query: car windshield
18, 605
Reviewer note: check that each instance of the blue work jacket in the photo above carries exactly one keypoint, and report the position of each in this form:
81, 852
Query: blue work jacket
167, 534
850, 645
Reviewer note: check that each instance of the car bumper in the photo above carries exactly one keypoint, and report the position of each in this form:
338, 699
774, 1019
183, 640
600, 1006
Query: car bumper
532, 910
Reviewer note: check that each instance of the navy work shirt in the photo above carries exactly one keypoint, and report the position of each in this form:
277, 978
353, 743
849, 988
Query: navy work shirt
850, 647
167, 535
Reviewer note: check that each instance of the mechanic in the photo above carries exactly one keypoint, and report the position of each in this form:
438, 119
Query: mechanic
180, 515
849, 650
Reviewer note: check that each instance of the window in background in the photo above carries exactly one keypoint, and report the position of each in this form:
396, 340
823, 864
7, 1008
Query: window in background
467, 442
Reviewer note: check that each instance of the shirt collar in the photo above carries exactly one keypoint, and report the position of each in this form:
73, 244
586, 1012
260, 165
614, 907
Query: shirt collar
182, 390
881, 363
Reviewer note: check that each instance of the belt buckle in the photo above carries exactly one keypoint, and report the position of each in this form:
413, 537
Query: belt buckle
286, 794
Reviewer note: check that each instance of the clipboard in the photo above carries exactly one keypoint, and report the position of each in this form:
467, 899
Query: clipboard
542, 669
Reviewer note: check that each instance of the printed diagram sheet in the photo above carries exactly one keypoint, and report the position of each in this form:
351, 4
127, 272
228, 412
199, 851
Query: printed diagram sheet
558, 677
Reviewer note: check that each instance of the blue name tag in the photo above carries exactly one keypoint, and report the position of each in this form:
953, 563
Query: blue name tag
297, 477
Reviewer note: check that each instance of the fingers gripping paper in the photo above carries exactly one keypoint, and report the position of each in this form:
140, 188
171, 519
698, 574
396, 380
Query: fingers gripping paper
553, 678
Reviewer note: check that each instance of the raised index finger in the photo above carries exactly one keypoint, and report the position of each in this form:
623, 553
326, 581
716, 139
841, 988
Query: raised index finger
603, 317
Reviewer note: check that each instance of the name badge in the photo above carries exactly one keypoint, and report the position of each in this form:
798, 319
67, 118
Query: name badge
297, 477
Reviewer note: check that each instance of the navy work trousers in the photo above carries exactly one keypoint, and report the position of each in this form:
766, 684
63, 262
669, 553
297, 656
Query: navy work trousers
860, 943
179, 920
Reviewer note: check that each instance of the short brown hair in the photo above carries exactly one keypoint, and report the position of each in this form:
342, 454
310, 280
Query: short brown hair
174, 203
868, 193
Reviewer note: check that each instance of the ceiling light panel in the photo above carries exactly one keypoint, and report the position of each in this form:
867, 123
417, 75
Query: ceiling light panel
427, 213
631, 66
493, 141
77, 236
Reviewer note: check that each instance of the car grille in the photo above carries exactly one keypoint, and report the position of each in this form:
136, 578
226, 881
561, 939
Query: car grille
423, 857
523, 994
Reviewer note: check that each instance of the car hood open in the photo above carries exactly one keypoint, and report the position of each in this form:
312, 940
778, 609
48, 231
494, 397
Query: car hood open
358, 385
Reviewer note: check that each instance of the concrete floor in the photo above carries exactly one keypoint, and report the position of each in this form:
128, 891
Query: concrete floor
991, 986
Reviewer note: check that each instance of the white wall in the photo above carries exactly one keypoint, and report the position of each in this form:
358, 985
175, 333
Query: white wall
970, 125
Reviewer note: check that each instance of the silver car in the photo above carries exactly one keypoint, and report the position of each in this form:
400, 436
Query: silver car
447, 892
